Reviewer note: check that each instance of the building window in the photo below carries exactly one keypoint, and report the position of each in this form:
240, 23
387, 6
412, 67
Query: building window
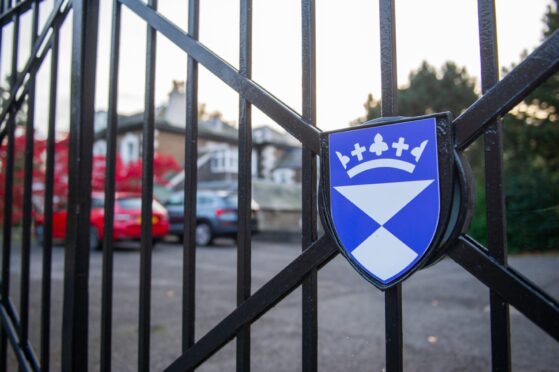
284, 176
129, 148
100, 147
225, 161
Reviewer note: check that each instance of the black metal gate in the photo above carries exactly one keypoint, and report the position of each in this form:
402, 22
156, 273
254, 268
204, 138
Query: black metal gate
488, 265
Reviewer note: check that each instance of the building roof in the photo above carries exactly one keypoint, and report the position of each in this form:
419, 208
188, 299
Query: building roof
291, 159
213, 129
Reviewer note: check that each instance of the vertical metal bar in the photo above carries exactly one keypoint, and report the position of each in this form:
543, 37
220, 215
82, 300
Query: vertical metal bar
496, 213
389, 107
309, 188
244, 186
47, 228
27, 194
107, 283
7, 232
7, 243
190, 178
2, 9
147, 200
76, 271
389, 75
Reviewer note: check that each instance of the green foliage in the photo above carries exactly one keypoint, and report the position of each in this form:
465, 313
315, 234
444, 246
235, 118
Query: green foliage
531, 156
532, 163
430, 91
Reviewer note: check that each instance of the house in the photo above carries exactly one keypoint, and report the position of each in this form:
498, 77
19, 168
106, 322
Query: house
276, 156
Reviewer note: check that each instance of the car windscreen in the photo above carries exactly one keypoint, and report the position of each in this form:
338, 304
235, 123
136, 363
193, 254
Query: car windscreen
176, 199
130, 203
97, 202
230, 201
136, 204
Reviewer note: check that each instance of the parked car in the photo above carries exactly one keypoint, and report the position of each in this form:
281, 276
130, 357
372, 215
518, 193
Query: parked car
216, 215
127, 220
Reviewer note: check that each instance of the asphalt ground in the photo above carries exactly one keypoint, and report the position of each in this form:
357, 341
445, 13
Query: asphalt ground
446, 313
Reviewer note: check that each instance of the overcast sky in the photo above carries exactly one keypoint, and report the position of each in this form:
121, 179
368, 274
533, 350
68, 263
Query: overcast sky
347, 51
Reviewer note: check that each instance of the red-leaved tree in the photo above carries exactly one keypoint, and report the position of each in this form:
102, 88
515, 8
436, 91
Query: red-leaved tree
128, 177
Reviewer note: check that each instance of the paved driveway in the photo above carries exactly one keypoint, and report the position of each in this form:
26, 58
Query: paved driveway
446, 324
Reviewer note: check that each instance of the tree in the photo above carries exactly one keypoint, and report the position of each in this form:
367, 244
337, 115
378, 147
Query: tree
429, 91
532, 163
128, 177
531, 135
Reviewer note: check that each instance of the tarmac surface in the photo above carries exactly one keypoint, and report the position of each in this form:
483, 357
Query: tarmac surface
446, 313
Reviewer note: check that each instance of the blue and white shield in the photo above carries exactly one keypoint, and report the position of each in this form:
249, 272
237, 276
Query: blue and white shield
383, 197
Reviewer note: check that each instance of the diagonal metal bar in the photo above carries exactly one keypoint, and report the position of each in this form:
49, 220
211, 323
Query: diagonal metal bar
9, 311
11, 332
55, 19
507, 93
18, 9
518, 291
248, 89
18, 101
314, 257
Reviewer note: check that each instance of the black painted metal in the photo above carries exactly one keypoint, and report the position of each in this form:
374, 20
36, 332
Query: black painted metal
252, 92
107, 283
190, 187
518, 291
309, 188
7, 242
495, 201
314, 257
12, 336
48, 209
389, 107
244, 268
75, 328
148, 135
27, 197
507, 93
55, 19
487, 265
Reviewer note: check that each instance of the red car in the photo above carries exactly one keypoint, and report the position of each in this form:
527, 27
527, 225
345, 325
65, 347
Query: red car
127, 220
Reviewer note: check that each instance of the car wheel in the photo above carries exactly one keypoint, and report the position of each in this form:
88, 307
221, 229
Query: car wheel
94, 241
40, 234
203, 234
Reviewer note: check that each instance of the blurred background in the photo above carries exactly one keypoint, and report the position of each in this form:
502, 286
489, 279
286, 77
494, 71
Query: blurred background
438, 69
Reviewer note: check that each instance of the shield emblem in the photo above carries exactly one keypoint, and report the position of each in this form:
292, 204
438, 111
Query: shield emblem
385, 191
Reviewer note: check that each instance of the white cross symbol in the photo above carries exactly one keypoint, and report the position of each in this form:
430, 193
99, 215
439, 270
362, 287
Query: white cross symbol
359, 150
400, 146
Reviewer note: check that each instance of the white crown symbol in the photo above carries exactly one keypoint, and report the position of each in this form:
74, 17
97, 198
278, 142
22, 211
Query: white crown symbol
377, 149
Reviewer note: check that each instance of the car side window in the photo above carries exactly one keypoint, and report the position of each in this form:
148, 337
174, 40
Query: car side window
176, 199
97, 203
204, 201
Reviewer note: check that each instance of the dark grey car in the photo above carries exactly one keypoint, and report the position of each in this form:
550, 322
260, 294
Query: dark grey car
216, 215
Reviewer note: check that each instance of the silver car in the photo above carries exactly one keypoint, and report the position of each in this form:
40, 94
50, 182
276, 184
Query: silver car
216, 215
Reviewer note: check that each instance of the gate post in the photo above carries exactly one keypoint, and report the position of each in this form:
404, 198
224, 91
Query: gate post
76, 270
